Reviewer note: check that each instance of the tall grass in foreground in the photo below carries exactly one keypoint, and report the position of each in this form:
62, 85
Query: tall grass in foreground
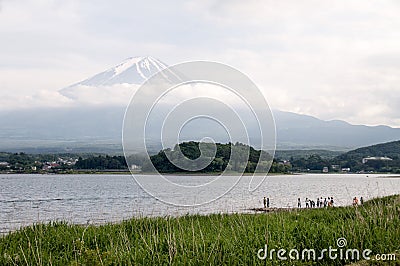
213, 239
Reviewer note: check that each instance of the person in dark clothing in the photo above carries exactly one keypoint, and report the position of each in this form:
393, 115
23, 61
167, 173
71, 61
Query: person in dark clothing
298, 203
267, 202
361, 200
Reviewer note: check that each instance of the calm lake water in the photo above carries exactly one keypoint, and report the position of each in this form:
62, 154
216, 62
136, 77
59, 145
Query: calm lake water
82, 199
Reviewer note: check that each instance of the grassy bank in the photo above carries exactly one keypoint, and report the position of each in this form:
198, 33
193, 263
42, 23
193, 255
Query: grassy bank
214, 239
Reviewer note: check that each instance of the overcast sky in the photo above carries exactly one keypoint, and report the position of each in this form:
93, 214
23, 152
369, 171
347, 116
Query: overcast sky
330, 59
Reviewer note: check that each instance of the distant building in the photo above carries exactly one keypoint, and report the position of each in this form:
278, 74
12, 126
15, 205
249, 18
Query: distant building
135, 167
67, 161
325, 170
365, 160
335, 167
46, 167
284, 162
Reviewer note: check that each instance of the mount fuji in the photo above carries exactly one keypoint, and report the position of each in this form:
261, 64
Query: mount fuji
94, 120
119, 80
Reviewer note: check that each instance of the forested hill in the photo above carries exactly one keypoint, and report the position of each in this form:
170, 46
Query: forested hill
354, 159
239, 163
389, 149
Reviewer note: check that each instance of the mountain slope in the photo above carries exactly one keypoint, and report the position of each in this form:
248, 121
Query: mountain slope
302, 131
388, 149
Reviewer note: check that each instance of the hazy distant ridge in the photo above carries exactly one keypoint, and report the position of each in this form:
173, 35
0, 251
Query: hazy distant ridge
97, 126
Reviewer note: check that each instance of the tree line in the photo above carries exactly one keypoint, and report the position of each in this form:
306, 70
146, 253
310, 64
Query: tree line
235, 157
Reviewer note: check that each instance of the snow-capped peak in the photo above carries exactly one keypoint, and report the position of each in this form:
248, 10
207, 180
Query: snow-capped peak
126, 64
145, 66
132, 71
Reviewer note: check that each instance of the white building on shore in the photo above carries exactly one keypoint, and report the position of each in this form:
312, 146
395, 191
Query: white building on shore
365, 160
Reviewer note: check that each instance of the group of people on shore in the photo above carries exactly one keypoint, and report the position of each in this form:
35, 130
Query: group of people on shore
357, 202
319, 203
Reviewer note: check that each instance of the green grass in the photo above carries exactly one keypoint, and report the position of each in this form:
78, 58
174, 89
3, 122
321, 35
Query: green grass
208, 240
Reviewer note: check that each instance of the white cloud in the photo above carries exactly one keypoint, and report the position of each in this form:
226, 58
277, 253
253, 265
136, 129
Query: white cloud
119, 94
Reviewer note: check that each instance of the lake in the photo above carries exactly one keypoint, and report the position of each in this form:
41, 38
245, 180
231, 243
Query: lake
97, 199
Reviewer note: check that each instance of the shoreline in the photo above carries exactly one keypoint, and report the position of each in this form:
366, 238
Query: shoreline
245, 211
124, 172
206, 239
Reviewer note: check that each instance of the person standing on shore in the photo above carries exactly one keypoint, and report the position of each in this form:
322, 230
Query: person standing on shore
361, 200
265, 203
298, 203
307, 203
355, 201
317, 202
325, 203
